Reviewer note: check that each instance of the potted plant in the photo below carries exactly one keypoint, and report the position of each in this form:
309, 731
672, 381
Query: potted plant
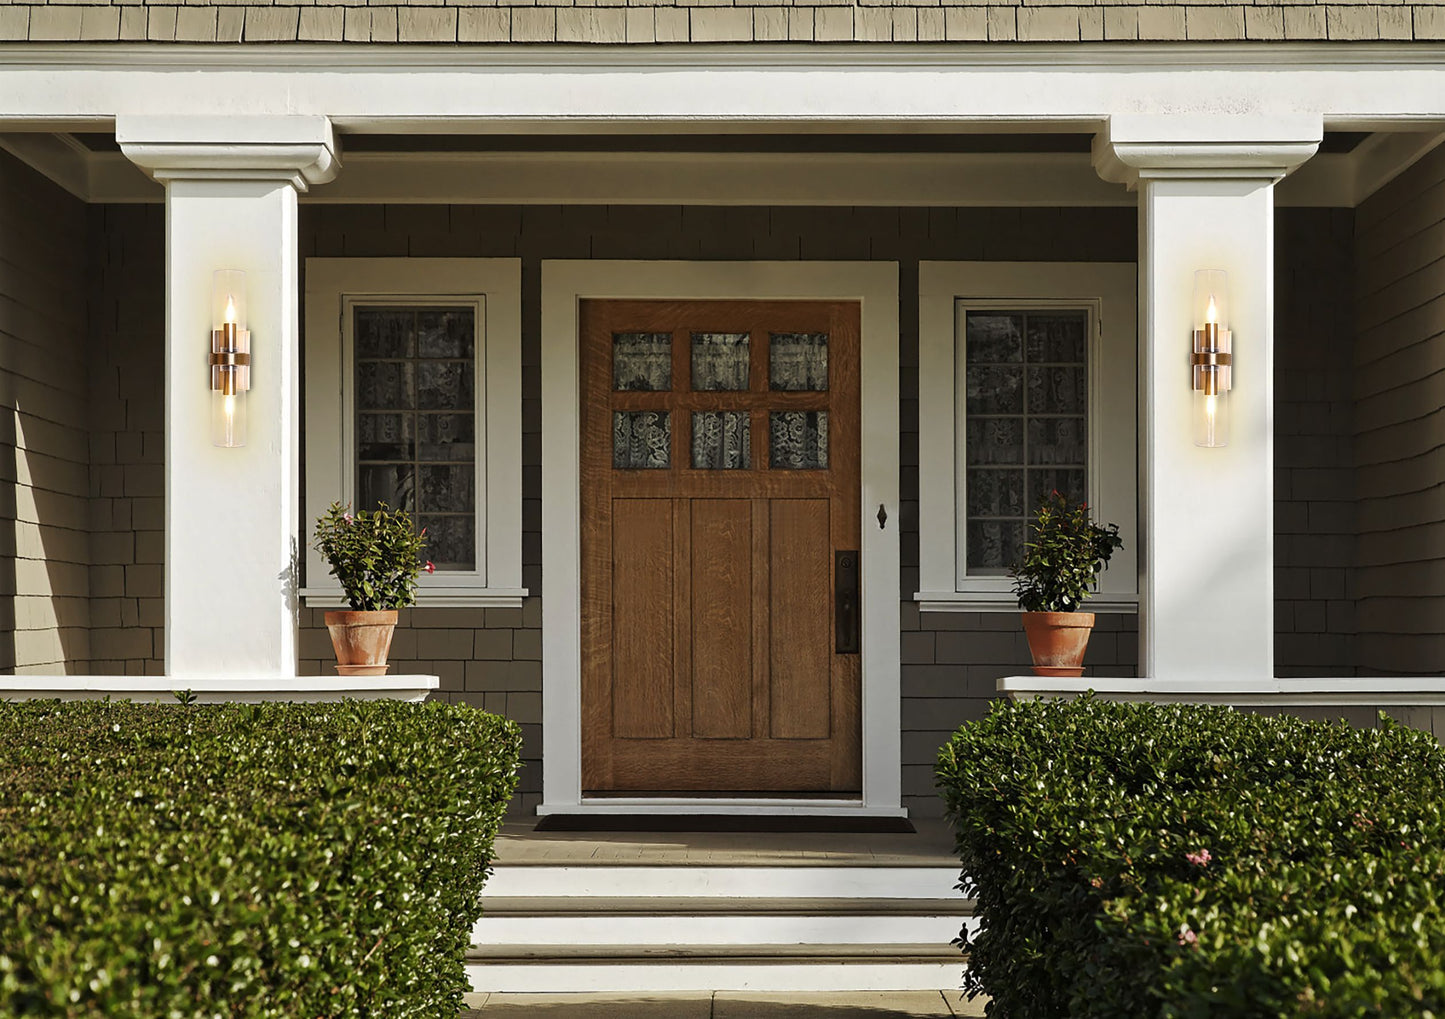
376, 555
1061, 568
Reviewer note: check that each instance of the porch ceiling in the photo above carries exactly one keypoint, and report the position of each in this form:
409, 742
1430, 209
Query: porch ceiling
845, 168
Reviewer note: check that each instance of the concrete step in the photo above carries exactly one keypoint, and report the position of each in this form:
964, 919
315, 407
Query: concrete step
619, 928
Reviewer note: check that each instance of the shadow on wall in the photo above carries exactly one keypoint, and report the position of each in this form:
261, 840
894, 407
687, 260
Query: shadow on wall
44, 589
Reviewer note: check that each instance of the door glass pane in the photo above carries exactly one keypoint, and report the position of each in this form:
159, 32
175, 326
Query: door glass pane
798, 439
720, 362
798, 362
722, 440
641, 440
642, 362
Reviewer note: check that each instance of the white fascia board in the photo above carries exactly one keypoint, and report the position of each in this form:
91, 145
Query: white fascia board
447, 87
1363, 690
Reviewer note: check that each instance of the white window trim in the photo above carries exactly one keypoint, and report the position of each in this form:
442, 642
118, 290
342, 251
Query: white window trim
564, 284
494, 287
1108, 289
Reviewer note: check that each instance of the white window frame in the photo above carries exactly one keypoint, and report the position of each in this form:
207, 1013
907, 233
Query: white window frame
334, 286
946, 291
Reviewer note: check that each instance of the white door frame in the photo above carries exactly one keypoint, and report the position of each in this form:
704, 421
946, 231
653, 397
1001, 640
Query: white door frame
564, 284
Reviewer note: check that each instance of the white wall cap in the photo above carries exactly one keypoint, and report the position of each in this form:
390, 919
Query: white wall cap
1374, 691
302, 150
1134, 147
220, 689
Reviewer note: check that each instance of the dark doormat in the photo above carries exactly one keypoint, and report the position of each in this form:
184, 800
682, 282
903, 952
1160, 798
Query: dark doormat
723, 823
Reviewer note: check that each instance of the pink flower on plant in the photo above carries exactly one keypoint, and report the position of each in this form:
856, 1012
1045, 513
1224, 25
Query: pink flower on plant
347, 516
430, 567
1199, 859
1186, 936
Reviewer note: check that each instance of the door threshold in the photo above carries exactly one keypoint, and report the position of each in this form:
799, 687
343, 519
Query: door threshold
729, 822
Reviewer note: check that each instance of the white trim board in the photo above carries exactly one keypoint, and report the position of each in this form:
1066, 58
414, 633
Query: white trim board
1362, 690
494, 286
564, 283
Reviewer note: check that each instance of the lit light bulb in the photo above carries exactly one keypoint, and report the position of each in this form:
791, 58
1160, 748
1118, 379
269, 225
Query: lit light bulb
231, 310
1211, 314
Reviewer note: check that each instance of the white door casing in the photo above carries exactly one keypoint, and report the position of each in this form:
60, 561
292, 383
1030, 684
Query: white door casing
875, 286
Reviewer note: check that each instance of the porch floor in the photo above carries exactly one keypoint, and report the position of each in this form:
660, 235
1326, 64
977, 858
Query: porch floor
518, 844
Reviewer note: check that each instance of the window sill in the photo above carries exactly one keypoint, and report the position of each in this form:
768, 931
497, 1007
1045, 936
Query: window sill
436, 598
989, 601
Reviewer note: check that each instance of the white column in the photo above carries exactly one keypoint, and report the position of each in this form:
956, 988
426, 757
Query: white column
1206, 564
231, 513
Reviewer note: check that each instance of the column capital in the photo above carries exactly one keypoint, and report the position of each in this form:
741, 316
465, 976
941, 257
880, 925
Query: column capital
299, 150
1139, 147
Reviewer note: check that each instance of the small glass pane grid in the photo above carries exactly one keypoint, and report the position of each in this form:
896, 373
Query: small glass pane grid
416, 422
720, 439
1026, 405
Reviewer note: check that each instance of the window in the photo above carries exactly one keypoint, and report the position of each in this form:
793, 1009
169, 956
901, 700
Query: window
1027, 384
413, 398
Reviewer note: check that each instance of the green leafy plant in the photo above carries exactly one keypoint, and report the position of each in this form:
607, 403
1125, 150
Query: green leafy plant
375, 554
1061, 566
253, 861
1142, 861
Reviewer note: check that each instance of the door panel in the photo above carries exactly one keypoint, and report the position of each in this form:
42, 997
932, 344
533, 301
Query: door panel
720, 448
799, 562
722, 618
642, 617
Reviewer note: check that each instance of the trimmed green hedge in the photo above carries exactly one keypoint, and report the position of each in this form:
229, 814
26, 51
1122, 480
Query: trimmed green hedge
273, 860
1134, 860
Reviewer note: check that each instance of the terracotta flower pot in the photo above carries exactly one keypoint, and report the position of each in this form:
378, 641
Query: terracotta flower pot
1057, 641
362, 641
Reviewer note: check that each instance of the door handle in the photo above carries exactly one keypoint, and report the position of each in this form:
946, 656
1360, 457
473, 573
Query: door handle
845, 602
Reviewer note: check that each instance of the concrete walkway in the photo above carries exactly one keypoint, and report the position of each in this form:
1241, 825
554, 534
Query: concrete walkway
725, 1005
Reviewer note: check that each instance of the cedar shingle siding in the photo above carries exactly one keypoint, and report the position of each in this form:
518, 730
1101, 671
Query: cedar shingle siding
713, 21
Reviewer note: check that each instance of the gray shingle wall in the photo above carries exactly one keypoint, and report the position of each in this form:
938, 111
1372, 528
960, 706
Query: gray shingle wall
1399, 423
1314, 485
44, 541
682, 21
127, 439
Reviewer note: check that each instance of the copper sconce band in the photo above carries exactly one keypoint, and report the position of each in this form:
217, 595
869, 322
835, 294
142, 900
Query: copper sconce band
230, 360
1211, 363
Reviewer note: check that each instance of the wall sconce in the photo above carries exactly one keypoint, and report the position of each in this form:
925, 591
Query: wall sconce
230, 358
1211, 362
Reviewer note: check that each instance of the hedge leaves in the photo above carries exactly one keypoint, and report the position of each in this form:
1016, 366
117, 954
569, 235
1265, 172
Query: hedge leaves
273, 860
1184, 862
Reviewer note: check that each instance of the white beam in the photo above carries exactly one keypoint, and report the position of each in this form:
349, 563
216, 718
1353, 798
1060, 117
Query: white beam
441, 88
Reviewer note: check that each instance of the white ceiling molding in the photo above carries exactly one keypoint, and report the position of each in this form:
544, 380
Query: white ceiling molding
1335, 180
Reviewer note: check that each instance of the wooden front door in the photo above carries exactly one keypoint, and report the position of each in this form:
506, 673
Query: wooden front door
720, 530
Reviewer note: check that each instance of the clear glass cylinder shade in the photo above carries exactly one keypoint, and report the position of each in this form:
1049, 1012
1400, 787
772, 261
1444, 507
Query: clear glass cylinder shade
228, 415
1211, 417
1211, 299
228, 299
